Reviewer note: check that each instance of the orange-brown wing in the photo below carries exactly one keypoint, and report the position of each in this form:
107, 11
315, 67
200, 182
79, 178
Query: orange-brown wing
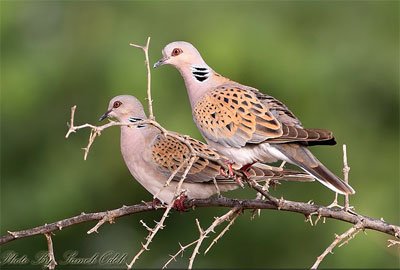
169, 153
233, 116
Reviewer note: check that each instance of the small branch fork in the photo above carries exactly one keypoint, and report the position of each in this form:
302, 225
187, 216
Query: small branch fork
160, 225
147, 63
344, 238
230, 215
52, 260
346, 170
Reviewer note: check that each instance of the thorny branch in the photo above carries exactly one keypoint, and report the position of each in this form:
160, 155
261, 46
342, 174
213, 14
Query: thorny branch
108, 217
285, 205
349, 234
346, 170
52, 260
146, 54
232, 219
234, 212
160, 224
344, 238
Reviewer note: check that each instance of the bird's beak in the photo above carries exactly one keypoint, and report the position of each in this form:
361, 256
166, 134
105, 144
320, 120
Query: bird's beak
160, 62
105, 115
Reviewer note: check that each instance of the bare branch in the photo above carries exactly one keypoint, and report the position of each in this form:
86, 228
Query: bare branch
285, 205
52, 260
393, 243
346, 170
95, 130
344, 238
180, 251
262, 190
219, 236
106, 218
146, 54
83, 217
160, 224
335, 202
149, 238
204, 234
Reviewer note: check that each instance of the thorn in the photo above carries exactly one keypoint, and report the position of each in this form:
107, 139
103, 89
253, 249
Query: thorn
13, 234
59, 226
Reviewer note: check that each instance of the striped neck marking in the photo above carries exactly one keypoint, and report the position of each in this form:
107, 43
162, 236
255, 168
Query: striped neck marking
200, 73
136, 119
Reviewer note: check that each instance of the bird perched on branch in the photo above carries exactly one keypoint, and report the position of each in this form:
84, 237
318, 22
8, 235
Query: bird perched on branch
152, 157
244, 124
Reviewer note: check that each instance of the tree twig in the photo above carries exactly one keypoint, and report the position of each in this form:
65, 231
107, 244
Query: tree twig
180, 251
232, 219
393, 243
346, 170
344, 238
160, 224
108, 217
52, 260
205, 233
285, 205
146, 54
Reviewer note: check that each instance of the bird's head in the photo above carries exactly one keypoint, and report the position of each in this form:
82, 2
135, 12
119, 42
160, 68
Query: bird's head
179, 54
124, 107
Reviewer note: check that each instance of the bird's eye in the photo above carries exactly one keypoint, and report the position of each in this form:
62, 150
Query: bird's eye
117, 104
176, 51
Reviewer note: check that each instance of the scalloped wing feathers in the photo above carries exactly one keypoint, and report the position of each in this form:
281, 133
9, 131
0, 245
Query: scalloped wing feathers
169, 153
235, 116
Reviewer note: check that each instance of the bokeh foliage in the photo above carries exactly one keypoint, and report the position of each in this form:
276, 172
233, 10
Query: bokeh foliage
334, 63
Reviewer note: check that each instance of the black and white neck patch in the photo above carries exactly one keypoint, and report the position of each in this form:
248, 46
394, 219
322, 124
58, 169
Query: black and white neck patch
134, 120
200, 73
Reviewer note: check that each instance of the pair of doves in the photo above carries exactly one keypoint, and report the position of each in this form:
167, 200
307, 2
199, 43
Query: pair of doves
243, 127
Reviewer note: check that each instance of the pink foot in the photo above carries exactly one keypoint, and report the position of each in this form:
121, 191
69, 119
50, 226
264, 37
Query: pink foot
245, 169
222, 172
230, 169
230, 172
239, 181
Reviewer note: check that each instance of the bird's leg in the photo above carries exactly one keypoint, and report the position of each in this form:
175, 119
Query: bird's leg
245, 169
230, 169
238, 180
222, 172
179, 203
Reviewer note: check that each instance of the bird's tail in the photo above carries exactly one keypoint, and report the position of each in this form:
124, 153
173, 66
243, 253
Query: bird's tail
302, 157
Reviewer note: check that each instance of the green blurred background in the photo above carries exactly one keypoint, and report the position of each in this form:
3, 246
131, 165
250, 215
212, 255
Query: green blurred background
335, 64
